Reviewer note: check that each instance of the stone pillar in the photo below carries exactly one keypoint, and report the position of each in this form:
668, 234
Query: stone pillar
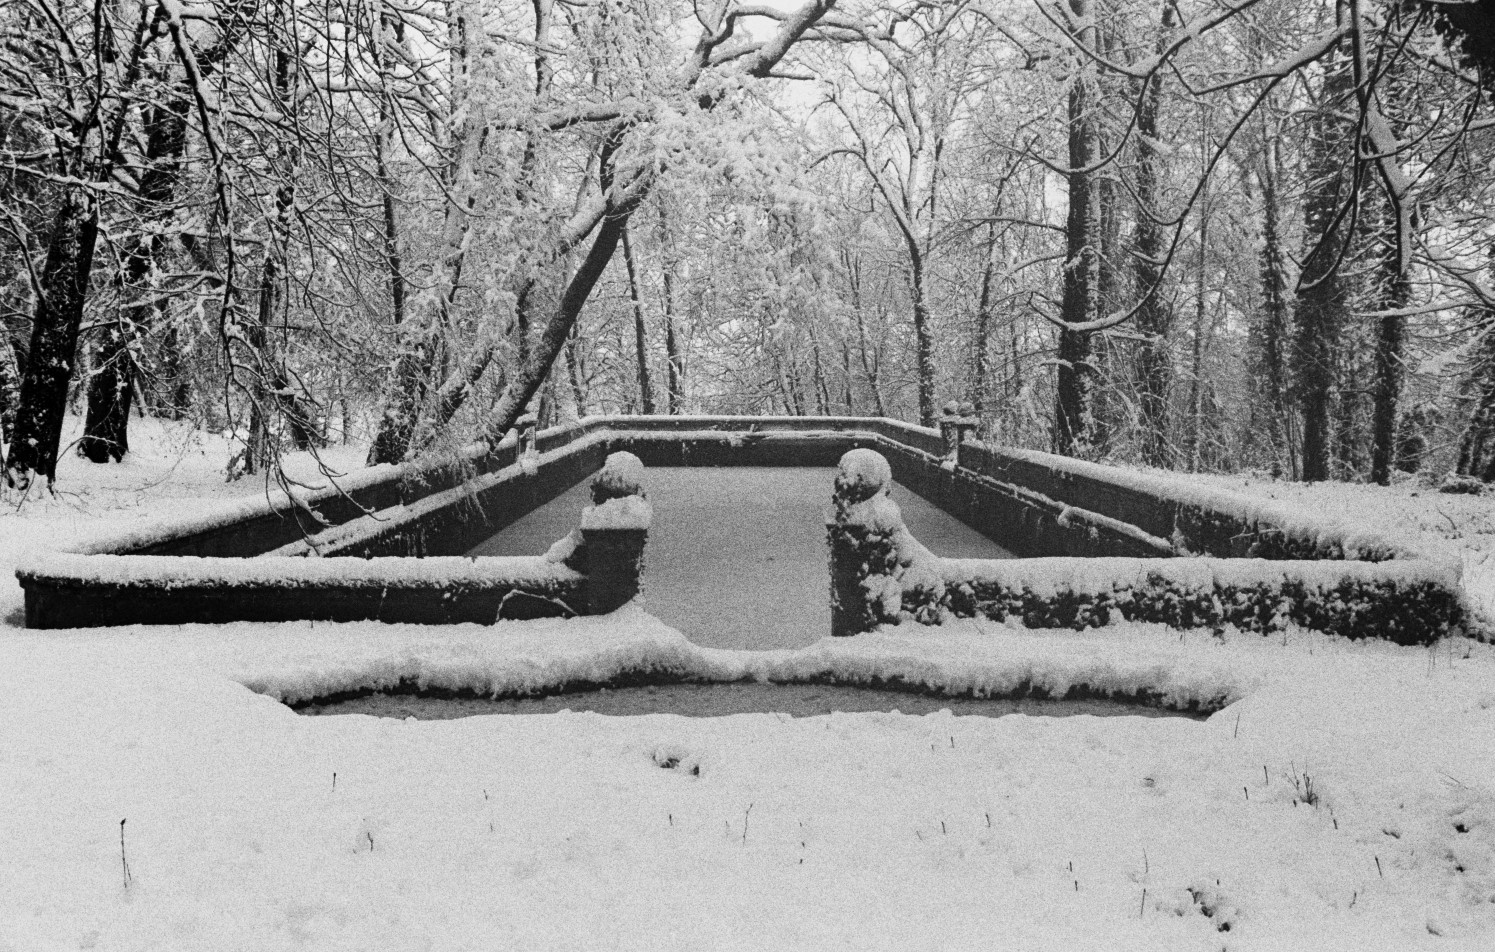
613, 533
957, 422
615, 564
526, 425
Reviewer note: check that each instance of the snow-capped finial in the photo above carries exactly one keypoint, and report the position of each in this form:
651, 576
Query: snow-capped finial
622, 475
863, 473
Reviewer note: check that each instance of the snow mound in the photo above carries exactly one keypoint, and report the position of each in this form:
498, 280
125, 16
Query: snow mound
625, 512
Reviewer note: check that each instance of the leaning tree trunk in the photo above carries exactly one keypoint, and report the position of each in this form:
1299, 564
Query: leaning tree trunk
1322, 302
528, 378
54, 341
1074, 412
522, 388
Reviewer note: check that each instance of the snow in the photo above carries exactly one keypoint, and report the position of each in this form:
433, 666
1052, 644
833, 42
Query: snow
565, 830
625, 512
250, 827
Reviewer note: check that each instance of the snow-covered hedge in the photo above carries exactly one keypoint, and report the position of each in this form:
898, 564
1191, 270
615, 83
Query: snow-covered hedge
881, 574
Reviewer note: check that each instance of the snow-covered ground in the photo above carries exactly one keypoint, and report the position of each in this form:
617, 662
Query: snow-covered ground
1344, 798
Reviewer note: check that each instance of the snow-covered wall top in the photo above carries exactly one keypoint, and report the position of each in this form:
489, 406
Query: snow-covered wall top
167, 572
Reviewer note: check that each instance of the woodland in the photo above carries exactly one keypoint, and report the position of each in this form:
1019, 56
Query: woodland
1198, 235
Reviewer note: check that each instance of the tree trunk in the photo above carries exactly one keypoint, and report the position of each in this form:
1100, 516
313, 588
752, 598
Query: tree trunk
981, 343
641, 349
573, 370
1479, 434
1391, 332
1074, 416
1195, 449
1322, 302
847, 397
54, 341
1269, 409
675, 359
10, 386
923, 335
111, 390
1154, 315
869, 359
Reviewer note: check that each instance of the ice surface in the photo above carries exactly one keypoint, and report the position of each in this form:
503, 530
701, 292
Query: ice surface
721, 699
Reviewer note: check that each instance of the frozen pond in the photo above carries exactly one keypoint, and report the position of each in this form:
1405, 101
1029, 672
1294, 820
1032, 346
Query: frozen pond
717, 700
737, 556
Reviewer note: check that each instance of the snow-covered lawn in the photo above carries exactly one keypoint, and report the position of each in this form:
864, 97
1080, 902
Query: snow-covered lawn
860, 831
1343, 799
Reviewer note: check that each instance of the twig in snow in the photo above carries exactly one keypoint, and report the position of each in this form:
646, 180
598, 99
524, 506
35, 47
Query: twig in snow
334, 781
123, 862
1378, 868
1142, 911
745, 814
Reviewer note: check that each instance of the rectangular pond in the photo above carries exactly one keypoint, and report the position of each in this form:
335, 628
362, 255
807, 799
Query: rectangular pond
737, 556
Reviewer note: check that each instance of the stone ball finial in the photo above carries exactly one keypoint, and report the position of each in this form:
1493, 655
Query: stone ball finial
862, 474
622, 475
